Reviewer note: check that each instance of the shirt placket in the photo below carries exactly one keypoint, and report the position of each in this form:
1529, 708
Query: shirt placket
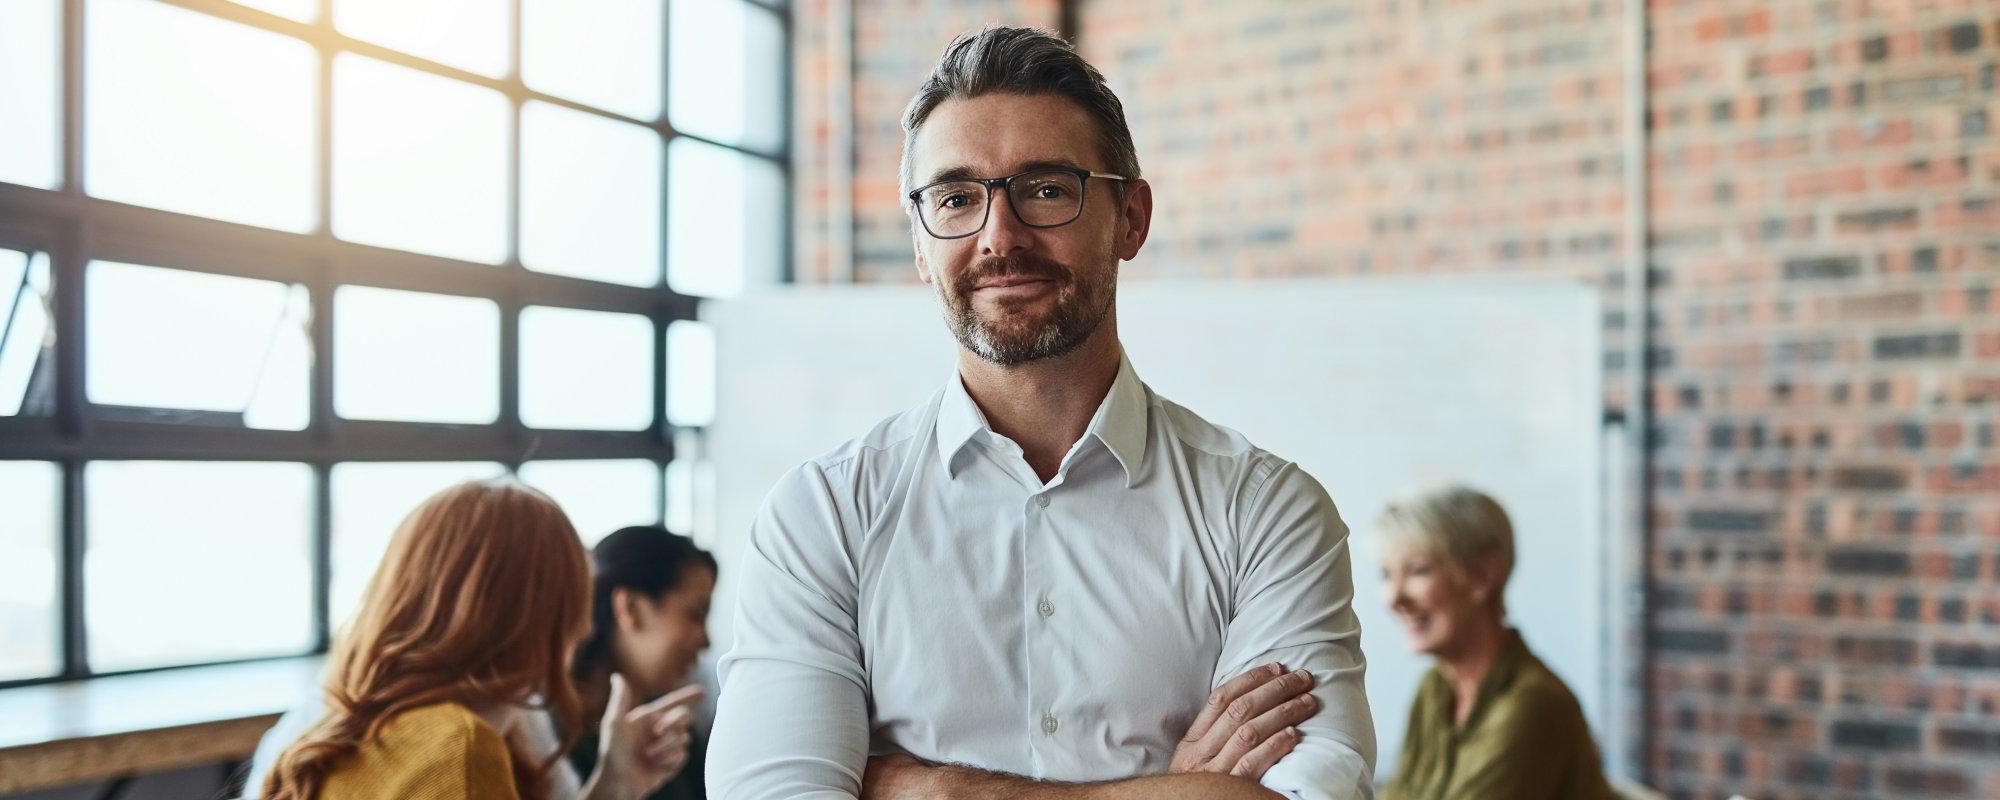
1044, 721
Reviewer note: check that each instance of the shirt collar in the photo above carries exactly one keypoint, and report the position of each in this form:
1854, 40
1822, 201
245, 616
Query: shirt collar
1120, 421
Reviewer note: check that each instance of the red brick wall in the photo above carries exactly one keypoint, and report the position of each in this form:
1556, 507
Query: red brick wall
1825, 233
1826, 224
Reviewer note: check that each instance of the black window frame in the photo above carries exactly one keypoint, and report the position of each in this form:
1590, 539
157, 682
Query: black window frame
74, 229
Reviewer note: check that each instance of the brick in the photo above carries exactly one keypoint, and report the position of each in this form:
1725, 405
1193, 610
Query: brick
1972, 741
1691, 641
1933, 86
1916, 345
1876, 219
1963, 37
1822, 268
1875, 651
1965, 656
1870, 735
1719, 520
1866, 561
1934, 781
1871, 478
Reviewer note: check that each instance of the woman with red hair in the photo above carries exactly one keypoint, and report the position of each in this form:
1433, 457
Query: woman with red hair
469, 622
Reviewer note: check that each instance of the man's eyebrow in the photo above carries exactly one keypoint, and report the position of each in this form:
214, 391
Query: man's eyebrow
961, 173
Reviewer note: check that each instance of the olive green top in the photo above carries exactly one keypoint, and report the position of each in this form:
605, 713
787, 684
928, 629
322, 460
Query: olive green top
1524, 740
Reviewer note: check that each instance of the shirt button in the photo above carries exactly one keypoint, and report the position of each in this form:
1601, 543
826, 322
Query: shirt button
1047, 608
1048, 724
1042, 500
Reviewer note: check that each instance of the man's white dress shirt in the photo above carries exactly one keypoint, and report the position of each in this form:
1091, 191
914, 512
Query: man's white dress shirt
920, 590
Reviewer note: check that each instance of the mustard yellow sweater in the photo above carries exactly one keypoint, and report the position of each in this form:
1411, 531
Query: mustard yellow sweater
437, 752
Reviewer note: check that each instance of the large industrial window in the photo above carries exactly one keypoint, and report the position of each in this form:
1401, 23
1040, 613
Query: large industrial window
271, 272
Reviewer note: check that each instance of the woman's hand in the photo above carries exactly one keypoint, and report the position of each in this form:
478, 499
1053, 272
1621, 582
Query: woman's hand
641, 746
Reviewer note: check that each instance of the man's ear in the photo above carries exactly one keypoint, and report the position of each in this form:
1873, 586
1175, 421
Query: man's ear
1136, 219
917, 244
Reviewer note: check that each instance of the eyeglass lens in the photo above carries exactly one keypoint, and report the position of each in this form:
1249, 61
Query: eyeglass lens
1042, 199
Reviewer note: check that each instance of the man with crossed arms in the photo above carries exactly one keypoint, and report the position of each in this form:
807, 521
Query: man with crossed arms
1034, 583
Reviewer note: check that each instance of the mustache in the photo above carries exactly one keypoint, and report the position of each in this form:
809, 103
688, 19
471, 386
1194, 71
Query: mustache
1000, 266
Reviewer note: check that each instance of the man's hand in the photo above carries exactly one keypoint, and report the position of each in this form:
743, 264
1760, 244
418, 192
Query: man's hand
1248, 723
1243, 729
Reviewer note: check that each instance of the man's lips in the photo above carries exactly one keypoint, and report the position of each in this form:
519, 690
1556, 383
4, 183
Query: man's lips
1009, 281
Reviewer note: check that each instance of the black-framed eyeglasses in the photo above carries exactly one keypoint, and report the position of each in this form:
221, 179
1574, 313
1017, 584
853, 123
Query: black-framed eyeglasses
1041, 198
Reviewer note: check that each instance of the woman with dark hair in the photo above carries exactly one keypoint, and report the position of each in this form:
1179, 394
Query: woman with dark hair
649, 623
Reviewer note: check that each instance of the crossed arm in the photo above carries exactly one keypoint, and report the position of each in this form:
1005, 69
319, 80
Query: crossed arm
794, 714
1244, 727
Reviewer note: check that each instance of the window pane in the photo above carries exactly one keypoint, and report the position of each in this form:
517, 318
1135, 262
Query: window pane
27, 340
679, 516
30, 534
604, 53
468, 34
167, 338
600, 496
590, 196
415, 356
419, 161
690, 374
196, 561
30, 91
187, 112
586, 370
725, 212
369, 501
727, 59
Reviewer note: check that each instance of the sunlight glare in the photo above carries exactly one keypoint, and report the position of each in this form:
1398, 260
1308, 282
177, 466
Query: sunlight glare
30, 82
419, 161
190, 113
415, 356
590, 196
468, 34
604, 53
586, 370
196, 561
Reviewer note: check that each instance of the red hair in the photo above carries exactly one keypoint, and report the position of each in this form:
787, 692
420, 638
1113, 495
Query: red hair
483, 593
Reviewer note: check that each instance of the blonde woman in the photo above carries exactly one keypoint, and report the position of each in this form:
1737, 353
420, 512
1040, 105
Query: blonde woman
1490, 720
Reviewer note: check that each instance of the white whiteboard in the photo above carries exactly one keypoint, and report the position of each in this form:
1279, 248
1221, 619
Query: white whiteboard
1375, 387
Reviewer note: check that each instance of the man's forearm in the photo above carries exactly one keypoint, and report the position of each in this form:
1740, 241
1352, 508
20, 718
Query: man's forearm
967, 783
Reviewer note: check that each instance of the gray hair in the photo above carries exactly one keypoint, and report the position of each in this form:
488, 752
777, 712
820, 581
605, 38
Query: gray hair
1462, 525
1006, 59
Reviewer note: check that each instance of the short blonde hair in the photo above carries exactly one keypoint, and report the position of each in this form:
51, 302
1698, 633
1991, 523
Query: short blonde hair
1461, 524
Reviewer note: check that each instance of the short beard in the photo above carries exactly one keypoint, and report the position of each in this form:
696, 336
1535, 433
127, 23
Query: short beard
1081, 305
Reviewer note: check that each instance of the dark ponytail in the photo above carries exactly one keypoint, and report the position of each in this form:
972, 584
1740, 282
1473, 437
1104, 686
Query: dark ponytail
643, 559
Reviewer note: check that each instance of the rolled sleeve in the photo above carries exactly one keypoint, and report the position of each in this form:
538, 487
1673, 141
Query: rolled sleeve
1294, 605
792, 721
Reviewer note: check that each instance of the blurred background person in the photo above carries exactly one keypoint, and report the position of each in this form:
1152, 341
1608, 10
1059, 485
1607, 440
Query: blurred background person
1490, 721
453, 679
649, 624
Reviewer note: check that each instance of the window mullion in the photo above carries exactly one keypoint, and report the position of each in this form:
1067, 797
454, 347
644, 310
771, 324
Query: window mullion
76, 655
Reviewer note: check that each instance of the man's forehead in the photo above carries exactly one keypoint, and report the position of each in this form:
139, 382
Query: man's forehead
999, 134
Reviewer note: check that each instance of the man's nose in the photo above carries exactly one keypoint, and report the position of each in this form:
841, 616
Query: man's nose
1004, 234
